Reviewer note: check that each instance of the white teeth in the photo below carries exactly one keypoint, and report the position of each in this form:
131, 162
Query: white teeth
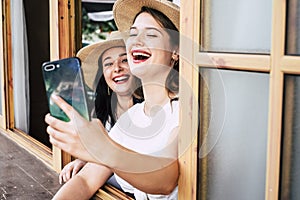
122, 78
140, 54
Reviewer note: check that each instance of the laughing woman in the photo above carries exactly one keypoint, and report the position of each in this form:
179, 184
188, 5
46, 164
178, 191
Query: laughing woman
142, 145
116, 91
105, 68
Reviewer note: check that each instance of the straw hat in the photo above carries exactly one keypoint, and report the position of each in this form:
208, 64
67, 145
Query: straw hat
126, 10
90, 55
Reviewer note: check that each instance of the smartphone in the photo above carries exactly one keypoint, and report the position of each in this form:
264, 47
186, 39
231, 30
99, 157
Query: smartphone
64, 78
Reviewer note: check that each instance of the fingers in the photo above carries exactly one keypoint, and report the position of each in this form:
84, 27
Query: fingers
60, 179
60, 142
65, 174
60, 131
70, 170
76, 170
67, 108
75, 118
56, 123
55, 135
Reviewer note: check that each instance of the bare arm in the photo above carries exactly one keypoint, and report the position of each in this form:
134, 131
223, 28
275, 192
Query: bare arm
89, 141
162, 181
84, 184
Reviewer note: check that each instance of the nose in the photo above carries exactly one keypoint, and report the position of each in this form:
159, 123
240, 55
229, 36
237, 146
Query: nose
139, 39
118, 66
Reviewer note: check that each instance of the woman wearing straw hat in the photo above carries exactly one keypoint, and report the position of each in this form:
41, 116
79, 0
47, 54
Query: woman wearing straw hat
143, 142
116, 88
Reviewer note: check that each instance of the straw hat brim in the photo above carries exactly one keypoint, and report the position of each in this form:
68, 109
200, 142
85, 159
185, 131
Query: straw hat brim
90, 55
126, 10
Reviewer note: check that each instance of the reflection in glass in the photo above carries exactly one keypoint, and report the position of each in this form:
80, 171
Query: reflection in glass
290, 176
293, 28
237, 26
234, 119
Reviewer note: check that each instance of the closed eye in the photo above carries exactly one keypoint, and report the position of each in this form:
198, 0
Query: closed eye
132, 35
108, 64
151, 35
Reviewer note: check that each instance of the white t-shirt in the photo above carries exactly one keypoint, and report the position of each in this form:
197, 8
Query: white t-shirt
146, 135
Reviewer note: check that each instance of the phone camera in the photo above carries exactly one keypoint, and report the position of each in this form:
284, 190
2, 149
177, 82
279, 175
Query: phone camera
49, 67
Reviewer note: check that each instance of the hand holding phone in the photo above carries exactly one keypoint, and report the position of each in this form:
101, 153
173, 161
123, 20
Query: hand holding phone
64, 78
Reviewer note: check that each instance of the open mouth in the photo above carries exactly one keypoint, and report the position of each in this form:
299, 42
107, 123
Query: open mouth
121, 79
140, 56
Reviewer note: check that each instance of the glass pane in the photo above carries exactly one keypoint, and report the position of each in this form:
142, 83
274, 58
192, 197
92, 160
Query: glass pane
97, 21
20, 67
290, 176
232, 162
30, 48
1, 113
293, 27
237, 26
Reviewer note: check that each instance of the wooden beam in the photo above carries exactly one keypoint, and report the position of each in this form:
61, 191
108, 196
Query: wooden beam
275, 101
2, 70
248, 62
189, 81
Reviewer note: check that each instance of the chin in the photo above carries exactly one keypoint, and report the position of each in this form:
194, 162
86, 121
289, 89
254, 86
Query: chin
139, 71
123, 90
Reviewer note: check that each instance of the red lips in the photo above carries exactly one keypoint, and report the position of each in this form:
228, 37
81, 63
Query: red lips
140, 56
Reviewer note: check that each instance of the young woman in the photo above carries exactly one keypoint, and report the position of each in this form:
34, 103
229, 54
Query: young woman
142, 144
116, 91
105, 68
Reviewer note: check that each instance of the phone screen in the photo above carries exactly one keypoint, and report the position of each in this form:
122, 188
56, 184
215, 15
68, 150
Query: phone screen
64, 78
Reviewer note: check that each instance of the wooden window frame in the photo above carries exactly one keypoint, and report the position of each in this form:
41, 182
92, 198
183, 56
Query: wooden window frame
2, 63
64, 43
7, 123
276, 64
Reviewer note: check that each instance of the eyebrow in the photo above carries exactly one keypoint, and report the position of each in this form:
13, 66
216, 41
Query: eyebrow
109, 57
147, 28
123, 54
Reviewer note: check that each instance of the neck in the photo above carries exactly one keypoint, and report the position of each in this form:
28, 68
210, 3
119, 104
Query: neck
155, 95
123, 104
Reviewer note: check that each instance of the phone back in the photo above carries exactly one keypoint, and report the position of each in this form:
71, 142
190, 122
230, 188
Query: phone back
64, 78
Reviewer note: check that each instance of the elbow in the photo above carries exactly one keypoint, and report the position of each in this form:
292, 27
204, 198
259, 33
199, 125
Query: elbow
168, 189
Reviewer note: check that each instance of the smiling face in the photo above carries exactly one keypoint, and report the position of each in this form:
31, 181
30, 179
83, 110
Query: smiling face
148, 48
116, 71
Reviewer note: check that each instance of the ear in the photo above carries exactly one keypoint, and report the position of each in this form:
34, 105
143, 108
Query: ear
175, 55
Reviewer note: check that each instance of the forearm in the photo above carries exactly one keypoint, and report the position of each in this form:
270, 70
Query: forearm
84, 184
161, 181
151, 174
76, 188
